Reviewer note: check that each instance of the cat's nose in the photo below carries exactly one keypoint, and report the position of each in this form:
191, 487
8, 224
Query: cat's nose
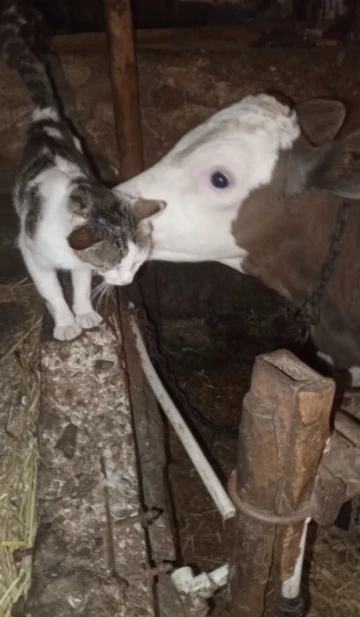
119, 278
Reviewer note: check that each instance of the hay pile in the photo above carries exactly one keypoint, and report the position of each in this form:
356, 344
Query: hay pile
20, 325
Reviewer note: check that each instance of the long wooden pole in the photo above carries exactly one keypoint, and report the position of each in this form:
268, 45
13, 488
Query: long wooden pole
125, 88
126, 101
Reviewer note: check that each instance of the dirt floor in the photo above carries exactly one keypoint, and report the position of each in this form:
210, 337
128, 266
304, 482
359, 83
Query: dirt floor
212, 361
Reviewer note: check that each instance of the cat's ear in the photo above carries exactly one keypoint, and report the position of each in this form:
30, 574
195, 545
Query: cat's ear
143, 208
82, 238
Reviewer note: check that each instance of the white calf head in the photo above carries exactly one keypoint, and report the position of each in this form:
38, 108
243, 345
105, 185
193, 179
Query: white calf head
256, 147
209, 173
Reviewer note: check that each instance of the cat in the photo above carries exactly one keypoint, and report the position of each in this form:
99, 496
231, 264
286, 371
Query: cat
69, 220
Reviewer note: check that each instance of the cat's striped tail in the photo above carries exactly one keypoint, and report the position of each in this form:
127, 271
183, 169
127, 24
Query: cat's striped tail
19, 29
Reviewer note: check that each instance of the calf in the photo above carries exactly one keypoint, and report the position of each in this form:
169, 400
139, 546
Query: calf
264, 188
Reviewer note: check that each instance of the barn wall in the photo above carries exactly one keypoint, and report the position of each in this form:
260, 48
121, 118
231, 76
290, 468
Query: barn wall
303, 9
67, 16
179, 90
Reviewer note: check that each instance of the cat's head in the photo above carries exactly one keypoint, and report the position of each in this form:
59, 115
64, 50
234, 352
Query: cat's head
114, 235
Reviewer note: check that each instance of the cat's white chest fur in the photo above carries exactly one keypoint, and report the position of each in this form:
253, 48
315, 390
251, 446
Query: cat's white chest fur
48, 251
49, 243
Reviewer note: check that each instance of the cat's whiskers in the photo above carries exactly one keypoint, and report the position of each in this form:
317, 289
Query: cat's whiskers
108, 292
97, 290
105, 290
100, 296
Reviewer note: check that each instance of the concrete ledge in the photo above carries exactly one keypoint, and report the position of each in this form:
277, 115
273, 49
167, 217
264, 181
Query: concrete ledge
89, 556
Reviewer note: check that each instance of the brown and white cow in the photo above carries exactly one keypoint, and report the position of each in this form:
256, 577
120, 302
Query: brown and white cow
258, 187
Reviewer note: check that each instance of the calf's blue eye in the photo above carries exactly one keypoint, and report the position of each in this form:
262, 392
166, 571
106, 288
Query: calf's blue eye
219, 180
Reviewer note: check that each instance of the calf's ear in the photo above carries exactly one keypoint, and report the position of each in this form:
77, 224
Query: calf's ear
320, 119
336, 167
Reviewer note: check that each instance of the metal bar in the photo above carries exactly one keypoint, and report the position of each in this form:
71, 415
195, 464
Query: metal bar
283, 431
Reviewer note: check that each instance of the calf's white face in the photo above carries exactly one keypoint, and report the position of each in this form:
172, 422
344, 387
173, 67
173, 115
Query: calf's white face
208, 175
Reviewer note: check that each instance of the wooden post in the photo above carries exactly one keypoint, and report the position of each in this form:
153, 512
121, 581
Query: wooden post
283, 431
124, 84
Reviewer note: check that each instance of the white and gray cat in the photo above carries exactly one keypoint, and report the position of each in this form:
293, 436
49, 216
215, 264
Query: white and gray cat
68, 219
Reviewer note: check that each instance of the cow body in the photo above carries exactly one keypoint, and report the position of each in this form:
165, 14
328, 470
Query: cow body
258, 187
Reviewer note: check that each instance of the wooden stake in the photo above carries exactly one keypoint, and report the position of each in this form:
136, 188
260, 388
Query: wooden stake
283, 431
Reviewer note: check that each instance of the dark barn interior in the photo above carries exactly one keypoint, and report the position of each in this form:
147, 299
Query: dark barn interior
206, 322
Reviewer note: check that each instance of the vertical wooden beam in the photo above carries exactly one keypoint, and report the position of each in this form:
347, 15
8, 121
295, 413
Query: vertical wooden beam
124, 81
283, 431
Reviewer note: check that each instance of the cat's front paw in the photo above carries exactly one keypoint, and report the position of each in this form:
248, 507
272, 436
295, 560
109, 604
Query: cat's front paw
88, 320
67, 333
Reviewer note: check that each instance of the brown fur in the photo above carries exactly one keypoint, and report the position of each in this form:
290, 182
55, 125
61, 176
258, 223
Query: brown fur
287, 228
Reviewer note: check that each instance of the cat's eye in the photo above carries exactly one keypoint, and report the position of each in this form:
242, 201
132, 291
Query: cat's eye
219, 180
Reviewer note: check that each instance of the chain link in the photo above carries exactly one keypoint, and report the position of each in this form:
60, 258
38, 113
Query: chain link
310, 311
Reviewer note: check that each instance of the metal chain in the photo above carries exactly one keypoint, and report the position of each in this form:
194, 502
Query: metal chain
310, 311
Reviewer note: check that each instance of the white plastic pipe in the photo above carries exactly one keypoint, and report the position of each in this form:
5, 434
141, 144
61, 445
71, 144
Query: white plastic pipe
291, 588
203, 585
203, 467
